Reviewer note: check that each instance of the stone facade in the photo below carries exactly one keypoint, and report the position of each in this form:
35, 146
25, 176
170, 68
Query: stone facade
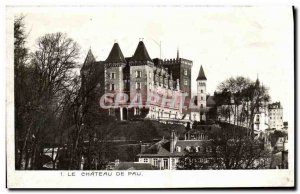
143, 78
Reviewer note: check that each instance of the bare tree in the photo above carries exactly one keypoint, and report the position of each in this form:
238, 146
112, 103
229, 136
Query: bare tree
227, 150
50, 70
241, 99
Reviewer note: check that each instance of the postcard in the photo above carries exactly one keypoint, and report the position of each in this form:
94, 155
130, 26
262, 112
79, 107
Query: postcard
150, 96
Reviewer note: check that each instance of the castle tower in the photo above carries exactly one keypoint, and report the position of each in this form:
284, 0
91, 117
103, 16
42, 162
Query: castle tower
141, 75
87, 71
88, 63
201, 93
113, 75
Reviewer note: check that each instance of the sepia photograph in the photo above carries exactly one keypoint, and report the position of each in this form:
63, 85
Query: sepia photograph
146, 97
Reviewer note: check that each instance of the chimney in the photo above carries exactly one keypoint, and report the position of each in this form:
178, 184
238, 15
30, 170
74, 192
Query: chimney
144, 147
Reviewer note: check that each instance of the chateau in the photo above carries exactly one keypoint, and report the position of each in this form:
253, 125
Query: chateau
142, 87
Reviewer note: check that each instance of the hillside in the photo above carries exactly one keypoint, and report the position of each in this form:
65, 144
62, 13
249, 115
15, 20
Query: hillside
142, 130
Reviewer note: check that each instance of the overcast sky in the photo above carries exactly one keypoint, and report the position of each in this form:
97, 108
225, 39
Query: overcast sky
227, 41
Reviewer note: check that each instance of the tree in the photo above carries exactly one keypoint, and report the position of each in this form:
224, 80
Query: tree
21, 74
239, 99
227, 149
48, 76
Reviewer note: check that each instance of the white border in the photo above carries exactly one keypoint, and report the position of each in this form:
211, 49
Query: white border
150, 179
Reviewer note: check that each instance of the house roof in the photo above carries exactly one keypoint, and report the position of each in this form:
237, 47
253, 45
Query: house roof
210, 101
201, 75
162, 148
191, 143
115, 55
141, 53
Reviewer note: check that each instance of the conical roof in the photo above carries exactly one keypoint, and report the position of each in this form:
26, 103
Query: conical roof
141, 53
201, 75
89, 59
115, 55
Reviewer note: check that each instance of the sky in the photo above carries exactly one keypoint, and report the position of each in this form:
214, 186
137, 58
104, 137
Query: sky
226, 41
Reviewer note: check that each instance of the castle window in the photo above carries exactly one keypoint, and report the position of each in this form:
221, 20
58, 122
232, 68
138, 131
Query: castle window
201, 91
112, 75
201, 98
112, 87
137, 85
185, 82
201, 105
138, 74
185, 72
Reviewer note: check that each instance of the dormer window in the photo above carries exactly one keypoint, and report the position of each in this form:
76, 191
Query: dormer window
178, 148
187, 148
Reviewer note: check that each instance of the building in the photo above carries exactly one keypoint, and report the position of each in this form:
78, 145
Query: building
276, 115
142, 87
165, 154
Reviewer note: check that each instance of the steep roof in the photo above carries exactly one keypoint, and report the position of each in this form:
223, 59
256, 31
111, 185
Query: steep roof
115, 55
90, 59
141, 53
201, 75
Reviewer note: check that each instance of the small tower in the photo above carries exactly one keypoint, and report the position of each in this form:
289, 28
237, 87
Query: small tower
201, 93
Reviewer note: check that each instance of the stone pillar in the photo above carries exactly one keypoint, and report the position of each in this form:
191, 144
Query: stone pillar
121, 113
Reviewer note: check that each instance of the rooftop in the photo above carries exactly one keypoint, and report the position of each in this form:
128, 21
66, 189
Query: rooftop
115, 55
141, 53
201, 75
